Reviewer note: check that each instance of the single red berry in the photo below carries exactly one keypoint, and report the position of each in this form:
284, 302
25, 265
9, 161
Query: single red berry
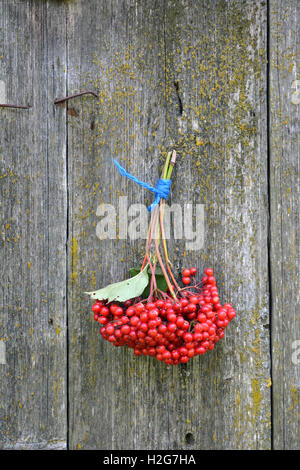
139, 308
96, 308
118, 334
188, 337
162, 329
144, 317
137, 352
152, 323
171, 317
134, 320
144, 327
183, 351
150, 305
184, 302
191, 307
202, 318
152, 332
141, 334
175, 354
200, 350
180, 322
221, 314
209, 272
231, 314
104, 311
197, 337
186, 273
172, 327
132, 335
186, 280
194, 299
125, 329
227, 306
110, 329
193, 271
130, 311
166, 355
118, 312
177, 307
153, 314
184, 359
191, 316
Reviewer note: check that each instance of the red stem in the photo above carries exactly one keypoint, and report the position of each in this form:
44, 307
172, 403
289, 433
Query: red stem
164, 271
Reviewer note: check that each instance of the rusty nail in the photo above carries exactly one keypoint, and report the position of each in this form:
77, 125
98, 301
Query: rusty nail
61, 100
13, 106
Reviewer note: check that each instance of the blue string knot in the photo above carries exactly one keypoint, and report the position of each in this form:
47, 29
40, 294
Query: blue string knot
161, 190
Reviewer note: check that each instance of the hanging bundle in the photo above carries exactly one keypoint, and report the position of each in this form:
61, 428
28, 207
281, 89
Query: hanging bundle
150, 312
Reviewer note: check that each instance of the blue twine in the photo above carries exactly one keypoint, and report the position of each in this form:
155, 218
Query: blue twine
161, 190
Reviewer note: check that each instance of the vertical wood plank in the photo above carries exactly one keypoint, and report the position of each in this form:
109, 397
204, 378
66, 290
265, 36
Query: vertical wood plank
33, 226
216, 54
284, 191
190, 75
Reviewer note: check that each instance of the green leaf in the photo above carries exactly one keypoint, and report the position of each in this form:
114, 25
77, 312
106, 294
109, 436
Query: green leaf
161, 283
160, 280
134, 271
158, 271
124, 290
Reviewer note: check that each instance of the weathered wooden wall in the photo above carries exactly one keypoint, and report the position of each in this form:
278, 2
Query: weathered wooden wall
284, 95
193, 75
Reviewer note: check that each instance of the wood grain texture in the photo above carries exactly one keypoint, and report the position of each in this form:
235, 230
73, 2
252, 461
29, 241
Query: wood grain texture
190, 75
284, 190
33, 226
169, 74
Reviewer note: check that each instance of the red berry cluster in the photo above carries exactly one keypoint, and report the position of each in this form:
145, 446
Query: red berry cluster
186, 275
172, 331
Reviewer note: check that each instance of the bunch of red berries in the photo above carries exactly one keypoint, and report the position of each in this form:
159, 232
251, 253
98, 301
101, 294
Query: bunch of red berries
187, 274
173, 331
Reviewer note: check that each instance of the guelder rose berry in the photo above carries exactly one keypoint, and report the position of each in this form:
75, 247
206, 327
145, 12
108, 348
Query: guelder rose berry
172, 331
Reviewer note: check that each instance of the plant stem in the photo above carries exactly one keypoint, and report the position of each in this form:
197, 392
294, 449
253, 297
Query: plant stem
166, 174
152, 228
170, 287
166, 167
157, 224
171, 165
162, 204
